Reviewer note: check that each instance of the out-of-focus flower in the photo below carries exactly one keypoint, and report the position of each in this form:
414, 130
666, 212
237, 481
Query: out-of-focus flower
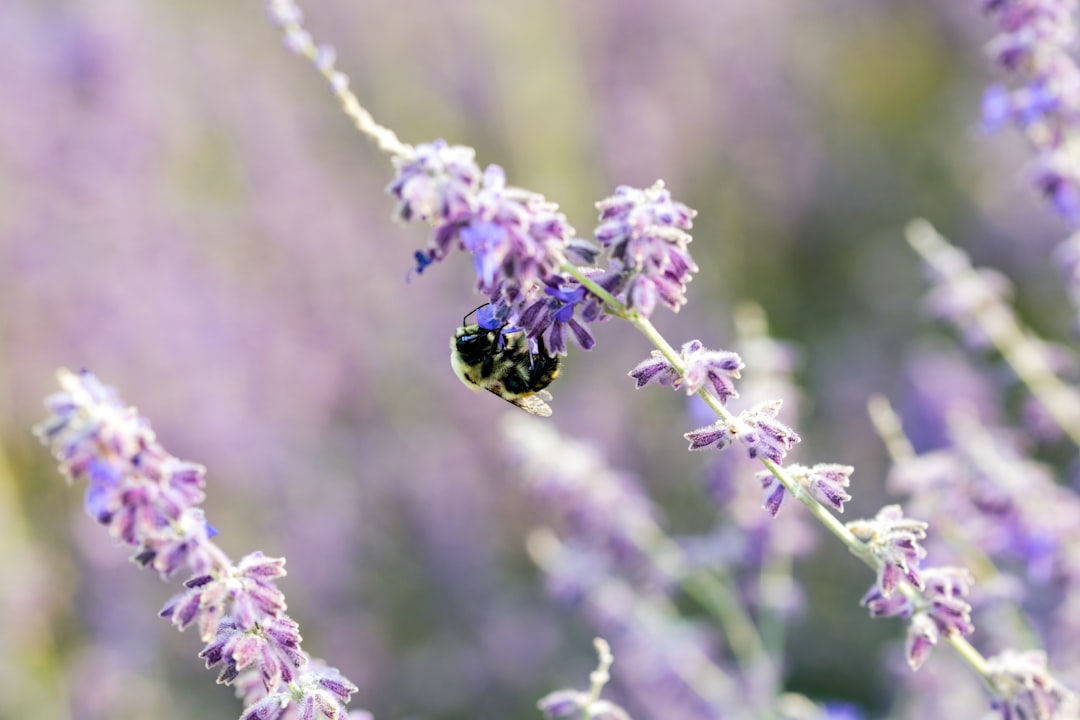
665, 660
601, 506
894, 541
1024, 689
147, 498
1035, 43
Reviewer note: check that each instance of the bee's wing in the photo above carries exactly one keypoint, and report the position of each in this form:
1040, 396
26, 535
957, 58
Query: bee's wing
535, 404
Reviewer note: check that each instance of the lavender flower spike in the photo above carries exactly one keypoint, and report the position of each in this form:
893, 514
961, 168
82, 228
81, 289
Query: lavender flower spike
646, 232
518, 240
147, 498
142, 495
1035, 43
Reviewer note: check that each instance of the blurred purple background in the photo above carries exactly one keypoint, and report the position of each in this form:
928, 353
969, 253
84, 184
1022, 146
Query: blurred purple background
185, 211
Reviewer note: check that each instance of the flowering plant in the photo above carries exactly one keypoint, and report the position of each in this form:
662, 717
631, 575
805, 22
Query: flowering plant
613, 556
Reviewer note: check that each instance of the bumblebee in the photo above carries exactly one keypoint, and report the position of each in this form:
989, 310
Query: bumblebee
504, 363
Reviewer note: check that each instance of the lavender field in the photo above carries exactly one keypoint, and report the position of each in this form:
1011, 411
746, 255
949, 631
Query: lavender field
187, 212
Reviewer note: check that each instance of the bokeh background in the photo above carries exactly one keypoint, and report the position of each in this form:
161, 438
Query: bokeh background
185, 211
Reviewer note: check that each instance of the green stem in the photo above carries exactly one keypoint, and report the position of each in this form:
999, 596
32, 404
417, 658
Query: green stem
1017, 346
598, 678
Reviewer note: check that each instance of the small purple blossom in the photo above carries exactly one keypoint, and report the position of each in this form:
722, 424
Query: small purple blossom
655, 368
895, 605
756, 428
922, 635
1024, 689
774, 492
942, 611
961, 293
273, 648
766, 436
437, 185
825, 482
712, 369
562, 703
572, 703
319, 693
646, 232
894, 541
515, 236
946, 591
718, 435
551, 315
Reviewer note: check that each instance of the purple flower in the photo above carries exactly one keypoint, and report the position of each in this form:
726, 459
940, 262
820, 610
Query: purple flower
893, 540
712, 369
273, 647
922, 635
718, 435
551, 315
962, 293
438, 185
895, 605
757, 428
318, 693
246, 593
562, 703
517, 238
601, 506
646, 232
1024, 689
942, 611
572, 703
825, 482
1034, 43
656, 369
765, 436
774, 492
